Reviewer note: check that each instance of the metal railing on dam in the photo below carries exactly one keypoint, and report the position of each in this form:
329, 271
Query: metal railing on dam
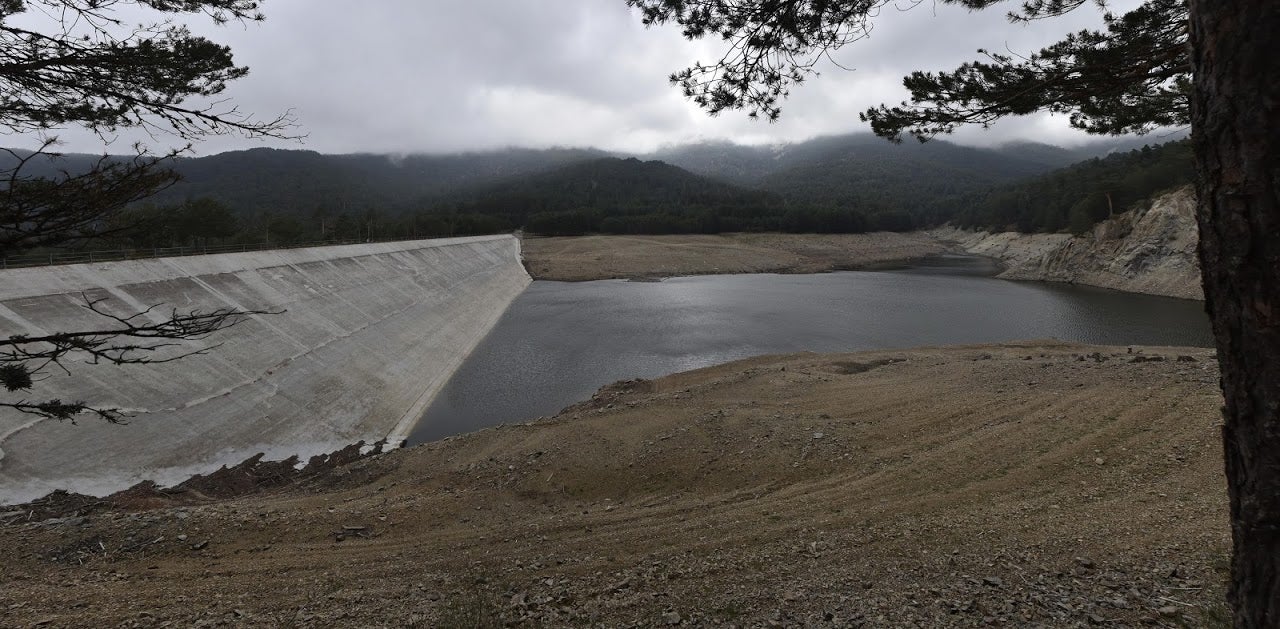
368, 334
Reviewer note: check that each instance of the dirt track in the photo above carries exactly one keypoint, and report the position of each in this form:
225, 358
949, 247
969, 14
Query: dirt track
1049, 484
610, 257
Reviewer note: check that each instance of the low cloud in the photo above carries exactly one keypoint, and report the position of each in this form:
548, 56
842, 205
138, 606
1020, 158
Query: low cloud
403, 76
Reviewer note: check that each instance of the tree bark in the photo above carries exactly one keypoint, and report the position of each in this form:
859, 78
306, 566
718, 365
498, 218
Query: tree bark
1236, 133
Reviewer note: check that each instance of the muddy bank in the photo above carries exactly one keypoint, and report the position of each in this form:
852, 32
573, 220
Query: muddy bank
1024, 484
631, 257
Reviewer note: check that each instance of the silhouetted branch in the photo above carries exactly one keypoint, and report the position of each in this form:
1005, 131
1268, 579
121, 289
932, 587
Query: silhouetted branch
68, 208
134, 340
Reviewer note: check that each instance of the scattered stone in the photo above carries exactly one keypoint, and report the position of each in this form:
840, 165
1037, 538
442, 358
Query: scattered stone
994, 581
819, 435
671, 618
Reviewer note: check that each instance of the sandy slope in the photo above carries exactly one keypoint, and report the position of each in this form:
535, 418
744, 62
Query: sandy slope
1020, 485
607, 257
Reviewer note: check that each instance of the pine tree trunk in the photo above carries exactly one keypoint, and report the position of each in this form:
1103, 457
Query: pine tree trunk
1236, 132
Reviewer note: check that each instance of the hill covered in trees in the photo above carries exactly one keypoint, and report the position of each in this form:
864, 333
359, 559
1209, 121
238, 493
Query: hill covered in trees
849, 169
845, 184
862, 169
865, 171
305, 183
1076, 197
630, 196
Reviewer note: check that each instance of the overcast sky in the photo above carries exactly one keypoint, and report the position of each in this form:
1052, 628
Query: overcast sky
401, 76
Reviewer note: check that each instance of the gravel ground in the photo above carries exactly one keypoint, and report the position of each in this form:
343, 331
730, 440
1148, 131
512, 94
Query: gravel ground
1022, 485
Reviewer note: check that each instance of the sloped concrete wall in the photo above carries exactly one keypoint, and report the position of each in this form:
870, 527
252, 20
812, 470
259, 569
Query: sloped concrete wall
370, 334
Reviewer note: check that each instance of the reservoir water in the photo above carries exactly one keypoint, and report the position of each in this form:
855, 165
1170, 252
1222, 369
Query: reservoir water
559, 342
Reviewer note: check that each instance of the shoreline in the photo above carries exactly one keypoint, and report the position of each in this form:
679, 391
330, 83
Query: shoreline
585, 258
653, 258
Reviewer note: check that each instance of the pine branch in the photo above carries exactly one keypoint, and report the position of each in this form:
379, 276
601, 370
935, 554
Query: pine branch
134, 339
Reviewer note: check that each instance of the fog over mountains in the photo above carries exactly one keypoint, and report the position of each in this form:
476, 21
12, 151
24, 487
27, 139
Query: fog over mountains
838, 169
854, 182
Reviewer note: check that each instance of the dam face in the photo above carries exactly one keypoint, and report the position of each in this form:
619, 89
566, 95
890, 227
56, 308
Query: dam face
368, 335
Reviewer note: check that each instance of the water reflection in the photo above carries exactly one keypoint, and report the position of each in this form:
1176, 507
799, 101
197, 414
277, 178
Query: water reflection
559, 342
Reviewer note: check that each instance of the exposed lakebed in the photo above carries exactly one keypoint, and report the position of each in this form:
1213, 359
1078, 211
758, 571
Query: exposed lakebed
559, 342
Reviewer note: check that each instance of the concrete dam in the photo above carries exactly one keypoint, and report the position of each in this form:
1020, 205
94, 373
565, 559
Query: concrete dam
368, 336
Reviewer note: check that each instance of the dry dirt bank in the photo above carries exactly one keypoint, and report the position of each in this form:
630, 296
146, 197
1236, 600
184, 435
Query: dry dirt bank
608, 257
1035, 484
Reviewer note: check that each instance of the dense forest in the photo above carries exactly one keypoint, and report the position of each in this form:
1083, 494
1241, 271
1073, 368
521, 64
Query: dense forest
863, 171
844, 184
838, 188
1076, 197
628, 196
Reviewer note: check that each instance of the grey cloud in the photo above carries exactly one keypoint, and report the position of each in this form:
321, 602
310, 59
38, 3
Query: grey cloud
410, 76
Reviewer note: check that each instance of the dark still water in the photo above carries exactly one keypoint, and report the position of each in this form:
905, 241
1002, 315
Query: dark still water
559, 341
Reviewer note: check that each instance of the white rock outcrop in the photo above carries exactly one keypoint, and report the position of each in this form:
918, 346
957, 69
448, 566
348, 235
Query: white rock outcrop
1151, 250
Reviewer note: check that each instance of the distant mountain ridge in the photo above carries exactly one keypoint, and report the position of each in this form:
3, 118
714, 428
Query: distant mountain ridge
862, 170
857, 169
837, 184
297, 182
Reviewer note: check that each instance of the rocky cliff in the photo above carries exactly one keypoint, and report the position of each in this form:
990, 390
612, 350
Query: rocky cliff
1145, 250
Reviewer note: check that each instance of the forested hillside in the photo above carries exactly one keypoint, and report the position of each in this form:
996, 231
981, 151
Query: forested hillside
612, 195
845, 170
866, 173
1077, 197
628, 196
839, 184
864, 170
304, 183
